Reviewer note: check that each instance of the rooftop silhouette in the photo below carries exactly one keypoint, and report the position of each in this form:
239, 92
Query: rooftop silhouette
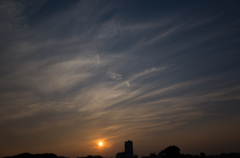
169, 152
128, 153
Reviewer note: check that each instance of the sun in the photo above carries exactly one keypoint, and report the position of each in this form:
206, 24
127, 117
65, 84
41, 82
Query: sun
100, 143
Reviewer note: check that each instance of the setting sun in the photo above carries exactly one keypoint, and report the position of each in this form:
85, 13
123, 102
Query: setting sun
100, 143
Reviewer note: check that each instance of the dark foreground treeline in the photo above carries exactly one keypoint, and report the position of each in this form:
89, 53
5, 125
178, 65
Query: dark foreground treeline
174, 152
27, 155
47, 155
169, 152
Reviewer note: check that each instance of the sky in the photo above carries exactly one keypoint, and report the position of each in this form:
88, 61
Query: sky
159, 73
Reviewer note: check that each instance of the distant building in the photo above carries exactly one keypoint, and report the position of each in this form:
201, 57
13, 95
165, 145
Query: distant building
129, 149
120, 155
153, 155
128, 153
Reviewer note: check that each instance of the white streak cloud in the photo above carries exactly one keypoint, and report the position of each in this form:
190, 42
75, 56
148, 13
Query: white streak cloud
114, 76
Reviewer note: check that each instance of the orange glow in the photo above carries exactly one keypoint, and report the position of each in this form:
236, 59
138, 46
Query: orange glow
100, 143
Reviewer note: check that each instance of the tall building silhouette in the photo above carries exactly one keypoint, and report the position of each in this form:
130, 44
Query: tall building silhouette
128, 153
129, 149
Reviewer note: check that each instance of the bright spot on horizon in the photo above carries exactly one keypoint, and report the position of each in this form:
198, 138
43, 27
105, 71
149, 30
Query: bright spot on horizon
100, 143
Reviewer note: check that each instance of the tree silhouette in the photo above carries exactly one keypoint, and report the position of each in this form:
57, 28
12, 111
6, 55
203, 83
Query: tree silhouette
170, 152
27, 155
89, 156
203, 155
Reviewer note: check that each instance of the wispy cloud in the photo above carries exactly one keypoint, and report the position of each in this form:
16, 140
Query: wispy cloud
90, 72
98, 59
114, 76
11, 16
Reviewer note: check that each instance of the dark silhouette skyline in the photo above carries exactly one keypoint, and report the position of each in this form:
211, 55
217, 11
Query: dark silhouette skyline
129, 149
128, 153
169, 152
28, 155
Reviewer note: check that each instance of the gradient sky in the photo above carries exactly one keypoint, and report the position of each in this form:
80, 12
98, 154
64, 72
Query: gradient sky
159, 73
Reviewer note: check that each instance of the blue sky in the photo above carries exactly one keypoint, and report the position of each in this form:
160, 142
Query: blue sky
74, 73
